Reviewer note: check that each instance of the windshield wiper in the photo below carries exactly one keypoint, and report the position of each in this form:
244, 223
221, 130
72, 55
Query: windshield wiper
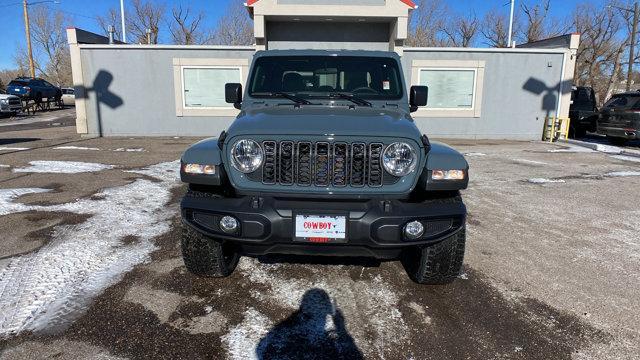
296, 99
354, 99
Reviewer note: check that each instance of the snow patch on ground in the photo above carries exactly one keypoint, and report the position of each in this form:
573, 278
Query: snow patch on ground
75, 148
2, 166
623, 173
243, 339
62, 167
475, 154
129, 150
373, 302
626, 158
52, 286
571, 149
545, 181
8, 148
169, 171
608, 149
8, 196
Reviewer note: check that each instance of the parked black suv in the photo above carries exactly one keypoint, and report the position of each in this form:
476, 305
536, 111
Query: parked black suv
583, 111
34, 89
619, 119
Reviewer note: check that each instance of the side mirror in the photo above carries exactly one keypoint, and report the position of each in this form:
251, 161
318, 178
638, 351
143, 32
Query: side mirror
418, 96
233, 94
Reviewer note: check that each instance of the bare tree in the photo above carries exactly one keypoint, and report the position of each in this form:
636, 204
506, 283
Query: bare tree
426, 24
9, 74
538, 24
185, 28
235, 27
495, 29
599, 57
50, 48
463, 30
112, 18
145, 15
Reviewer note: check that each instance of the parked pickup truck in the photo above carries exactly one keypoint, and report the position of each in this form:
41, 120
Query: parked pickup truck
9, 104
325, 159
583, 111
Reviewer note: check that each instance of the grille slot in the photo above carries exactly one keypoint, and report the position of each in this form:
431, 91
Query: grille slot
340, 164
286, 163
375, 165
304, 163
358, 164
324, 164
269, 174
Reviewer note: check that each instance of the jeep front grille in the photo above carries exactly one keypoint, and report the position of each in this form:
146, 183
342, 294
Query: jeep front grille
323, 164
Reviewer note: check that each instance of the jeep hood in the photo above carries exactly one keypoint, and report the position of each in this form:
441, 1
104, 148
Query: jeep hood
7, 96
325, 120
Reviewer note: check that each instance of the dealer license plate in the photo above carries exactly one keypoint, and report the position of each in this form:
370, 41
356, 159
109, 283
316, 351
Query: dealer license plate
321, 228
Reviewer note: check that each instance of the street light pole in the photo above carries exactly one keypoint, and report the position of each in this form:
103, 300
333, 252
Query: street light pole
27, 29
513, 5
632, 51
124, 26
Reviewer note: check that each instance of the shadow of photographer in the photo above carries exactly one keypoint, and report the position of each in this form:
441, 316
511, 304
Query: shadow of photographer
316, 330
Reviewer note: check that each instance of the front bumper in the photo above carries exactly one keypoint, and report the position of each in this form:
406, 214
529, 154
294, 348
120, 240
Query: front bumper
10, 108
374, 227
630, 133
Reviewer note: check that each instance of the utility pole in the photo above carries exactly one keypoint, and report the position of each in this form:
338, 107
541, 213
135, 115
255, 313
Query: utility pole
27, 30
124, 26
513, 5
632, 50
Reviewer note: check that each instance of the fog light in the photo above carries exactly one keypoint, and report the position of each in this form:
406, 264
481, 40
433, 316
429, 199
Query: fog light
229, 224
414, 230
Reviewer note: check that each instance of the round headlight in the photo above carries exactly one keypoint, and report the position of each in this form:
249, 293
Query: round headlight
246, 156
399, 159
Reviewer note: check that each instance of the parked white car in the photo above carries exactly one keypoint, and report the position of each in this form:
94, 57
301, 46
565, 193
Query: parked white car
68, 97
9, 104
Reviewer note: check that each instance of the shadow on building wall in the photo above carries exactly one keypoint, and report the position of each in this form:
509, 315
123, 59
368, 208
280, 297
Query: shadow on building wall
550, 97
102, 94
316, 330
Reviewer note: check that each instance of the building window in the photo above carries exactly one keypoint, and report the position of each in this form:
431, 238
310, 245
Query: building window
450, 88
455, 87
203, 87
199, 85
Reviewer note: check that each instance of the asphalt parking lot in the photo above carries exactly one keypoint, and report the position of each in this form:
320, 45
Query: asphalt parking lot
91, 265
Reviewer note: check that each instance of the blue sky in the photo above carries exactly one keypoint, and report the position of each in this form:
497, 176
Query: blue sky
83, 13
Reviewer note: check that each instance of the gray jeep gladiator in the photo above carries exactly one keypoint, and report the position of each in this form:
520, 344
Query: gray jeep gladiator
325, 159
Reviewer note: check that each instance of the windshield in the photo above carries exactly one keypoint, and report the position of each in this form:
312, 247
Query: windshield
622, 101
323, 76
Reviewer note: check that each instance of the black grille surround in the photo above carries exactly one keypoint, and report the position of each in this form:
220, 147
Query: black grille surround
324, 164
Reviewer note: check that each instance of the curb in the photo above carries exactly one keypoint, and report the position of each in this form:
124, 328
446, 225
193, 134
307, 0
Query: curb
608, 149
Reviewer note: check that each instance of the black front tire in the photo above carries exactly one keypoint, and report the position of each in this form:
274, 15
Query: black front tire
437, 264
205, 256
